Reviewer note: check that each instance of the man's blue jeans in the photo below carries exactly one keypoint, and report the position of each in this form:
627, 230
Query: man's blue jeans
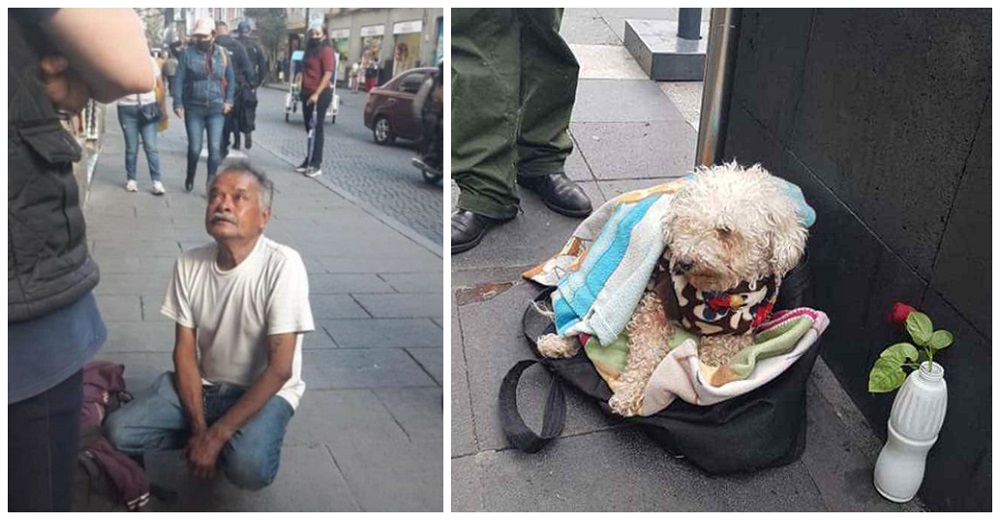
196, 121
251, 457
128, 117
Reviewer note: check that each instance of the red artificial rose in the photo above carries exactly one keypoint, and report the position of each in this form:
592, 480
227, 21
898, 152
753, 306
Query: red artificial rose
900, 311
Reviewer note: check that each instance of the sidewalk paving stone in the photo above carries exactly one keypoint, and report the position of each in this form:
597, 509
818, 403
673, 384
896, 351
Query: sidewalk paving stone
348, 283
583, 29
413, 283
362, 368
383, 333
342, 414
385, 476
650, 150
410, 305
415, 410
598, 100
430, 359
326, 306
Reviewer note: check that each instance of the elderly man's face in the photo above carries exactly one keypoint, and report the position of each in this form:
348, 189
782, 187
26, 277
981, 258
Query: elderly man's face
234, 210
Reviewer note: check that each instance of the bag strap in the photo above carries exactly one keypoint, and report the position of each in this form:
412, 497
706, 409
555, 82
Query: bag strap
553, 418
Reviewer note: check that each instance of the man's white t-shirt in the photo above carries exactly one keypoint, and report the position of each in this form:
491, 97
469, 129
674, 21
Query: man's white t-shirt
235, 311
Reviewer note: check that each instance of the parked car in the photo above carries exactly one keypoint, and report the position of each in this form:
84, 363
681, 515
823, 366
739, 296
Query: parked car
389, 108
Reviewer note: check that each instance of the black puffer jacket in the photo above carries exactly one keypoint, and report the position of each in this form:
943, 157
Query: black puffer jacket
48, 266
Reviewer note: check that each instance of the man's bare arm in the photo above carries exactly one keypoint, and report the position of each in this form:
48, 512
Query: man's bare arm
188, 380
113, 66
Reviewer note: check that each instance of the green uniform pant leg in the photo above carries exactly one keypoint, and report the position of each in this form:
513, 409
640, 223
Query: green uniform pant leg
549, 74
484, 54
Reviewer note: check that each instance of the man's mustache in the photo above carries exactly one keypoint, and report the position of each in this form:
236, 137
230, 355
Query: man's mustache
223, 217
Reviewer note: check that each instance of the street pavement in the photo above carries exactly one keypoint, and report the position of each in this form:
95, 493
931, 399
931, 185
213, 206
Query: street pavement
629, 132
368, 433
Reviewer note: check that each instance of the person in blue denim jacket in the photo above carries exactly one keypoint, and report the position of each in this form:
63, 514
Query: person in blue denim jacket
203, 94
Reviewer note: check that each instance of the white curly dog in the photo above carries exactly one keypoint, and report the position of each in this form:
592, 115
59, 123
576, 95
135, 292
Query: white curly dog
731, 234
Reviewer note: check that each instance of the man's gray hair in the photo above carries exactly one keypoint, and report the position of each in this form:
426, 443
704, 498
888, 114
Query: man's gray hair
240, 165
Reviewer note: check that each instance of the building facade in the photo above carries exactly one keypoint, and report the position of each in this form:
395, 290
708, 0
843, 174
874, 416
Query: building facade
399, 39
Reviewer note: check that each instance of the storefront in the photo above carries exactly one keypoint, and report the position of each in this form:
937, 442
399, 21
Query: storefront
340, 39
407, 45
371, 43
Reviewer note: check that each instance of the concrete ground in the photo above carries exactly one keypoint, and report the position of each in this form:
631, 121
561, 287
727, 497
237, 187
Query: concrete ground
629, 133
367, 435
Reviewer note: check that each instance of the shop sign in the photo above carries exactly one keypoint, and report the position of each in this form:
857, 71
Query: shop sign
373, 30
413, 26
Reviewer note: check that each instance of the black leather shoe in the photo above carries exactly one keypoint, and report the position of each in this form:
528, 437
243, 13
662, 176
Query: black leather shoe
468, 229
247, 141
560, 194
189, 183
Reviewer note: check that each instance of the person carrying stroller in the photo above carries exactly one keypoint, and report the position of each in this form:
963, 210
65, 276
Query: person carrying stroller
429, 106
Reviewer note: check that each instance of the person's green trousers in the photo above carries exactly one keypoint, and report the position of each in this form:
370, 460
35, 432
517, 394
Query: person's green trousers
513, 87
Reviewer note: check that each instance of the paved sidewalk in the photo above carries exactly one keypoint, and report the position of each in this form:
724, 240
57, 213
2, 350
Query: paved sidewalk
629, 133
368, 433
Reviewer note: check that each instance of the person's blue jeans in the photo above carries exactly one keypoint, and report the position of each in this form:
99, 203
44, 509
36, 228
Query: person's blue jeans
196, 121
249, 460
128, 118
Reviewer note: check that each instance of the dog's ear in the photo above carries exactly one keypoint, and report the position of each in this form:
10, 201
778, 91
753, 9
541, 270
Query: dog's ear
788, 242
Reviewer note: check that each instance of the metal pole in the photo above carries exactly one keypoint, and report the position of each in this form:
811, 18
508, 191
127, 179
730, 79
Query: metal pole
724, 33
689, 24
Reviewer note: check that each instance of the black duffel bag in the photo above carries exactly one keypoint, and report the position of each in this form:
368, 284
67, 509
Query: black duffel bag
760, 429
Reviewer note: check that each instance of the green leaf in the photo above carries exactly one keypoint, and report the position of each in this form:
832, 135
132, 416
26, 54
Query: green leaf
941, 339
920, 328
886, 376
899, 353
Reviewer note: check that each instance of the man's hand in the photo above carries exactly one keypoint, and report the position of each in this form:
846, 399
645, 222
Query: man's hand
226, 108
203, 451
63, 85
180, 112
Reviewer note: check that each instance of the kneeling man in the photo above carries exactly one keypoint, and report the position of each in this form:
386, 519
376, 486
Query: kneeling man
241, 305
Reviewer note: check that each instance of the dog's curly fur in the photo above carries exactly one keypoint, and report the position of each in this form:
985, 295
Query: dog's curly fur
730, 224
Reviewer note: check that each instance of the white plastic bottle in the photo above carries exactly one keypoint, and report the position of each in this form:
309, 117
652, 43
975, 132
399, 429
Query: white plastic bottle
917, 416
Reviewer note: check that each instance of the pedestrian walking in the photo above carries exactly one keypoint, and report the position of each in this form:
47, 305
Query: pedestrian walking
140, 114
371, 75
246, 108
510, 61
203, 95
53, 323
170, 71
318, 67
246, 78
353, 78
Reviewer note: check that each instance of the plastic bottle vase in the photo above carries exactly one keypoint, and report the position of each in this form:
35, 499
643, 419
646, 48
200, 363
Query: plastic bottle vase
916, 418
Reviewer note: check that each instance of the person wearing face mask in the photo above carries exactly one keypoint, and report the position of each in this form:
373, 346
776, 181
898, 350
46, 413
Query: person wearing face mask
318, 68
203, 94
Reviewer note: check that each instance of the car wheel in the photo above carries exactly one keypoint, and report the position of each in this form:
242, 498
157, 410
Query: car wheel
383, 131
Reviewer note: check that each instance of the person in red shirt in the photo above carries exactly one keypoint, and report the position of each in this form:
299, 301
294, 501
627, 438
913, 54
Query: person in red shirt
318, 66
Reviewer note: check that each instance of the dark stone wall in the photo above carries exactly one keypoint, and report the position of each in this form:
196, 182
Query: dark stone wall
883, 117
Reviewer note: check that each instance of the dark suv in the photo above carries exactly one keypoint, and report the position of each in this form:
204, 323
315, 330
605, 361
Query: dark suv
389, 108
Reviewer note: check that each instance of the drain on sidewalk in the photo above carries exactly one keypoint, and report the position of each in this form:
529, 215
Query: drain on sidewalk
482, 292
